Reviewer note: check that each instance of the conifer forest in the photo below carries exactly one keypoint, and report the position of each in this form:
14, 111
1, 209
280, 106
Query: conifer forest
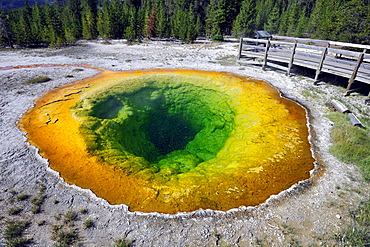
64, 22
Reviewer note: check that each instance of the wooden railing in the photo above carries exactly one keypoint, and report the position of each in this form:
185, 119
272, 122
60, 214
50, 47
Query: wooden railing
321, 55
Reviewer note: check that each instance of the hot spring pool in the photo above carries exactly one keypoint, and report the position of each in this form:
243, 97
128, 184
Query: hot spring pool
171, 141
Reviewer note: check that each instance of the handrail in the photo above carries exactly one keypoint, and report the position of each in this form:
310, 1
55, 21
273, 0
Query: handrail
327, 57
331, 43
336, 51
323, 42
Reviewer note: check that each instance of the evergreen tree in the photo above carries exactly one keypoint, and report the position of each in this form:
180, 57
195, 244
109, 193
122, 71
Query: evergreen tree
5, 35
71, 20
292, 17
105, 25
263, 10
24, 32
272, 23
133, 29
185, 25
38, 23
193, 25
101, 22
301, 26
179, 28
197, 29
162, 23
244, 24
116, 18
284, 22
232, 10
217, 19
353, 22
53, 28
66, 21
322, 20
88, 19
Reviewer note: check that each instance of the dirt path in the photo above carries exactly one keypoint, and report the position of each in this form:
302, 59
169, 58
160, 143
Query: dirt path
307, 214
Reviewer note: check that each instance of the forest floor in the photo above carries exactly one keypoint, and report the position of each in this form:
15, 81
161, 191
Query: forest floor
312, 213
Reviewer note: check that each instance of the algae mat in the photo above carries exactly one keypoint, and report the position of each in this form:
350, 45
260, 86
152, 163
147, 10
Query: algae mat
169, 141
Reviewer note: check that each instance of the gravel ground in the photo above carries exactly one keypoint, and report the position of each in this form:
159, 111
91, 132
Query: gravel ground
308, 214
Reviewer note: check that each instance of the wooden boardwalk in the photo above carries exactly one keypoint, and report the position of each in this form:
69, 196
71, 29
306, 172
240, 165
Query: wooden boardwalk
323, 56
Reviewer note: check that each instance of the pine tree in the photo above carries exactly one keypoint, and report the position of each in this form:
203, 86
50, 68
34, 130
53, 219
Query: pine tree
272, 23
232, 8
116, 18
217, 19
353, 19
60, 22
105, 25
192, 25
162, 24
292, 17
244, 24
71, 20
38, 23
53, 28
322, 20
197, 28
263, 10
179, 29
5, 35
88, 19
24, 32
133, 29
101, 23
301, 26
284, 22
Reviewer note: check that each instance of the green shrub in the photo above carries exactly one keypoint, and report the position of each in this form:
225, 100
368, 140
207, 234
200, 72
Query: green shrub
42, 188
70, 217
84, 211
218, 37
77, 70
18, 242
37, 202
65, 238
14, 231
14, 211
39, 79
23, 197
88, 223
122, 243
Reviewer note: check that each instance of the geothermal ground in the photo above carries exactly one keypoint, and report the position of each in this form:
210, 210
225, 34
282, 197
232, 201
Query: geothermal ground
310, 213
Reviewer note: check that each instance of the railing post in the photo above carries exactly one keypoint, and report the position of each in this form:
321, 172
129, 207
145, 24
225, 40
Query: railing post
354, 73
319, 68
291, 58
266, 53
240, 48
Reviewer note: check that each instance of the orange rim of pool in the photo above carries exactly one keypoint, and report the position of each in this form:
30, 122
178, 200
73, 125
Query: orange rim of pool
172, 140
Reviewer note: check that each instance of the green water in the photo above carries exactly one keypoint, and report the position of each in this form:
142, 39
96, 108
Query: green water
156, 124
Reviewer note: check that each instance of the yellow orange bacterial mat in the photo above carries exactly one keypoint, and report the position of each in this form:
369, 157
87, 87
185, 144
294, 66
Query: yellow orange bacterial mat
171, 140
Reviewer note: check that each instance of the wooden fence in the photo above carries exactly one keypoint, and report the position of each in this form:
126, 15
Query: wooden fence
321, 55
